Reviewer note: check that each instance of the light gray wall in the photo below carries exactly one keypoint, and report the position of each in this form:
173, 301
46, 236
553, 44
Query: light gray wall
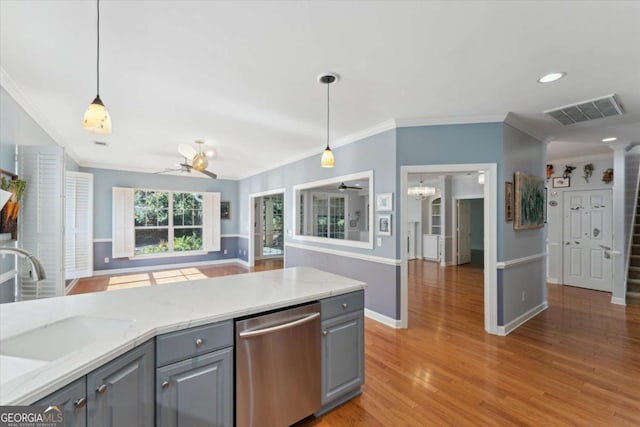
526, 154
452, 144
631, 171
375, 153
105, 179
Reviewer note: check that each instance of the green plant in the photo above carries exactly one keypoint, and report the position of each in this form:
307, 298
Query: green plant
4, 184
187, 243
588, 171
17, 187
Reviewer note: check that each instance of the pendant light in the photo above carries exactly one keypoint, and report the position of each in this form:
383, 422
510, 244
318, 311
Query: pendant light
421, 191
96, 118
328, 161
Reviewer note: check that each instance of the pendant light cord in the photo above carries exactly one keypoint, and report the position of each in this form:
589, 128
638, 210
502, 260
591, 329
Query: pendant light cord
328, 84
98, 50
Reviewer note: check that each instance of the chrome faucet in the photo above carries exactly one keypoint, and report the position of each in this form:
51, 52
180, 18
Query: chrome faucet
36, 267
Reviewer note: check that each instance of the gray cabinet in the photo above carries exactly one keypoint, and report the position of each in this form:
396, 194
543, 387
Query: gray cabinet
120, 393
194, 377
342, 348
72, 399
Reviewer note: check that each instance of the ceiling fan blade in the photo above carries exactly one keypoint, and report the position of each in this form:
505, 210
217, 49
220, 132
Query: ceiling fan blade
187, 151
166, 171
209, 174
186, 165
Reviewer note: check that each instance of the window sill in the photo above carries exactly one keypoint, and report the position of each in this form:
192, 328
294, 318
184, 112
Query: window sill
168, 255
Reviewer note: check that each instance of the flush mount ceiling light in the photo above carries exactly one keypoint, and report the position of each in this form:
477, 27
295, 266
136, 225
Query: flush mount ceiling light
328, 161
609, 139
96, 118
551, 77
421, 191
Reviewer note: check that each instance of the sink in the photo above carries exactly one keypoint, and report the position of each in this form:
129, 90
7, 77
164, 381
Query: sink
60, 338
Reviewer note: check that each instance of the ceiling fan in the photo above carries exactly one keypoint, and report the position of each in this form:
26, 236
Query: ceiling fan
197, 160
343, 187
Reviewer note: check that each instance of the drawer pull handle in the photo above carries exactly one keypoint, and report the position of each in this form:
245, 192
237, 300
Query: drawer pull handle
165, 384
345, 305
199, 342
101, 388
325, 332
80, 402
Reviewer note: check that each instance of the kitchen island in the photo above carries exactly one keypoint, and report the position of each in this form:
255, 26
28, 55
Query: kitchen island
50, 343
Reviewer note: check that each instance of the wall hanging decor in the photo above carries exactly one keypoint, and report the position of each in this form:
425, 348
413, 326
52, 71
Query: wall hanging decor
384, 202
588, 171
560, 182
607, 176
567, 171
9, 183
529, 202
508, 201
225, 210
549, 171
384, 225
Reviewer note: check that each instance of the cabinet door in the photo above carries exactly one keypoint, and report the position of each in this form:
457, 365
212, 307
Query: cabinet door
342, 355
196, 392
121, 392
72, 399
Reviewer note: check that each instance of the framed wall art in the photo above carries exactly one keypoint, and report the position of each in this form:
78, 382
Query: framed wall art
225, 210
383, 225
508, 201
560, 182
384, 202
529, 202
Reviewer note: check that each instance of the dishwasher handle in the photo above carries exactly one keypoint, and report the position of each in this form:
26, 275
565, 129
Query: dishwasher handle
258, 332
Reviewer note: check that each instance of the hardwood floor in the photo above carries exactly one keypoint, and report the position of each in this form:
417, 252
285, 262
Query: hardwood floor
134, 280
577, 363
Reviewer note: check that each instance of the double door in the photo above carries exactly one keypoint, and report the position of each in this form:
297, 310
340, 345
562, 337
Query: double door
587, 239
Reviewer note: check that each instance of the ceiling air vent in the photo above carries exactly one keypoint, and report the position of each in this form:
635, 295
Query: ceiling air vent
584, 111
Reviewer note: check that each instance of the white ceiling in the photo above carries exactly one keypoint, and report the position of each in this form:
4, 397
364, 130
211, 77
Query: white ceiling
242, 75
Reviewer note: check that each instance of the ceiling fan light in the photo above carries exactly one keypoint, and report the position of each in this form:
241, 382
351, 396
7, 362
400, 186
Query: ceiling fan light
327, 161
200, 162
96, 118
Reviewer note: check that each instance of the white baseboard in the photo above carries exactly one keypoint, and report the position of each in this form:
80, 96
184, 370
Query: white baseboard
515, 323
618, 301
554, 281
72, 285
168, 266
385, 320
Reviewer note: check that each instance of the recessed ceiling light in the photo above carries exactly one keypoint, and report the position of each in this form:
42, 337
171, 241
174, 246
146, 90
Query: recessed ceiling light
610, 139
551, 77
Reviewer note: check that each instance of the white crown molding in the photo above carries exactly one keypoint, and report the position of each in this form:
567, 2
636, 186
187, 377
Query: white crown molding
580, 159
23, 101
517, 122
452, 120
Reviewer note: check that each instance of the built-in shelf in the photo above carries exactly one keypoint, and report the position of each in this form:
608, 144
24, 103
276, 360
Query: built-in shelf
435, 216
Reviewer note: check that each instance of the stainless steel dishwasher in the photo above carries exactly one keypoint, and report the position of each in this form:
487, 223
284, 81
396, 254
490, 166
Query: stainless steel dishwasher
278, 372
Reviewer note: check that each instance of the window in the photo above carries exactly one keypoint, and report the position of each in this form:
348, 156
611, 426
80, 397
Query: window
329, 216
155, 222
167, 221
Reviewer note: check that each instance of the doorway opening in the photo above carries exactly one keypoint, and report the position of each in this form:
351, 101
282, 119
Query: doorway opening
444, 215
266, 238
469, 238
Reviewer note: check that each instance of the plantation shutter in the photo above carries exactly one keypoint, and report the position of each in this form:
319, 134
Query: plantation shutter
122, 232
211, 222
41, 219
78, 225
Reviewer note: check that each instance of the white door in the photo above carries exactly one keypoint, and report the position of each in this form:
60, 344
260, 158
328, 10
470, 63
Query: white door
464, 231
411, 240
587, 239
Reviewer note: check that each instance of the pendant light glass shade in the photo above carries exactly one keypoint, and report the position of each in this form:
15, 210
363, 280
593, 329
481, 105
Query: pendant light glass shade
200, 162
421, 191
96, 118
327, 158
327, 161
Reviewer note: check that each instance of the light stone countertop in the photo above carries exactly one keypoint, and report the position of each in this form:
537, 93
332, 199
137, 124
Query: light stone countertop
151, 311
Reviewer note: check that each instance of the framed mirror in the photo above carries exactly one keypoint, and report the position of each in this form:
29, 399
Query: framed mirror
335, 210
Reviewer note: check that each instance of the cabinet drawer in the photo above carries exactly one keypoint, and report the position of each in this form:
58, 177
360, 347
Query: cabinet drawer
180, 345
341, 304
